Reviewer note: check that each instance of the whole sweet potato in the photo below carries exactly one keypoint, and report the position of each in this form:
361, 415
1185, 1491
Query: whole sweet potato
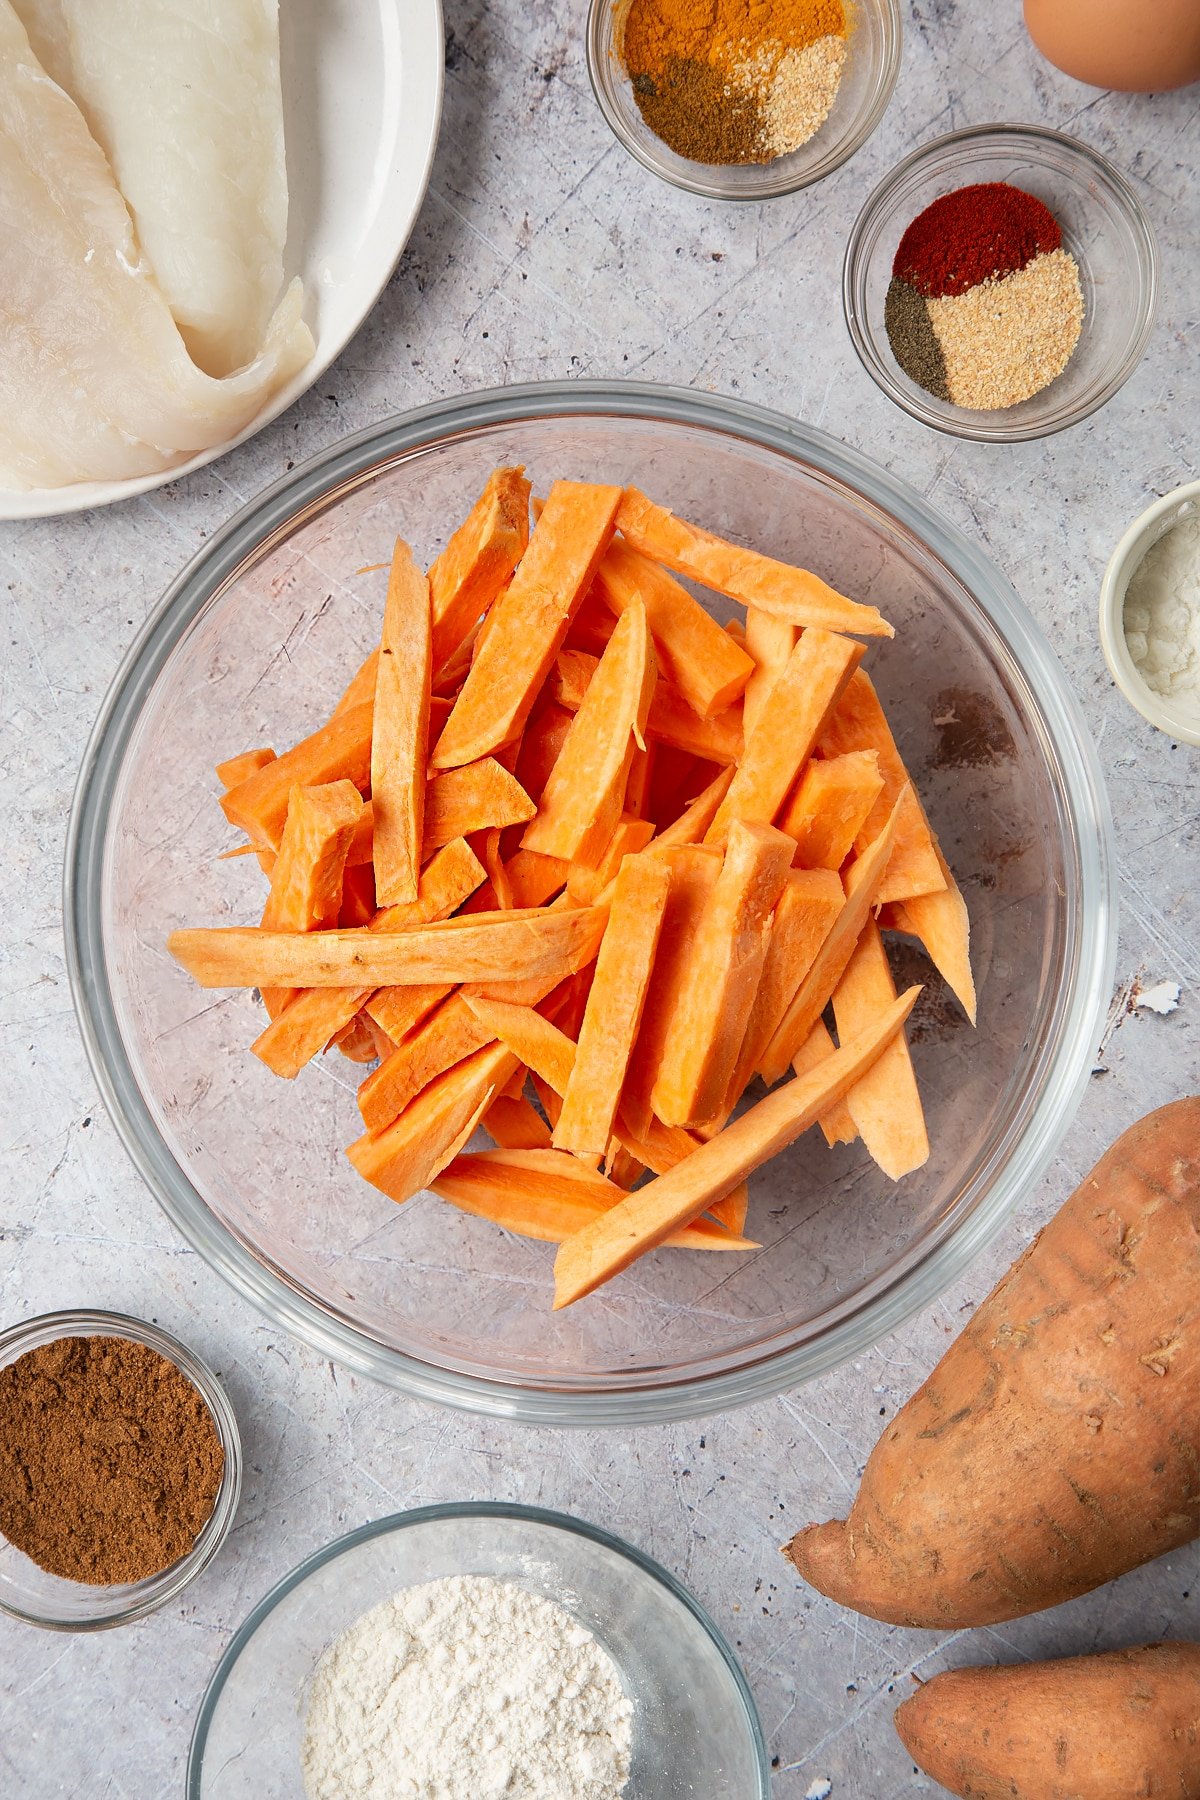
1123, 1726
1057, 1443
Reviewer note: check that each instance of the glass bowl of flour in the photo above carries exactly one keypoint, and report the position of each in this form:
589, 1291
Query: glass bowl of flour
478, 1652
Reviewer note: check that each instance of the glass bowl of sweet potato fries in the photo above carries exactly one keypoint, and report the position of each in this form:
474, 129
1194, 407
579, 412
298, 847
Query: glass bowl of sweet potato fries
590, 903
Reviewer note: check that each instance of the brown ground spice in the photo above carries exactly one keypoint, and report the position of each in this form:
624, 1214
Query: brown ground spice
734, 81
110, 1462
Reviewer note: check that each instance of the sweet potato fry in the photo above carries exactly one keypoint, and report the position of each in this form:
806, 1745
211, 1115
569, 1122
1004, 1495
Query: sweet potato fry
315, 1015
884, 1103
632, 834
404, 1158
236, 769
614, 1007
306, 880
695, 819
941, 923
397, 1010
858, 723
483, 947
475, 797
639, 1221
726, 960
356, 1043
756, 580
817, 987
732, 1209
837, 1127
514, 1123
790, 720
670, 719
527, 627
548, 1195
541, 1045
585, 794
694, 871
830, 807
770, 642
479, 559
804, 914
694, 655
400, 736
361, 686
340, 751
450, 1034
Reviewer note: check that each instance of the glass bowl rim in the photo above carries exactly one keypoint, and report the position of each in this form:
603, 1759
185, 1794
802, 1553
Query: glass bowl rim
392, 1523
769, 187
923, 1274
154, 1590
864, 338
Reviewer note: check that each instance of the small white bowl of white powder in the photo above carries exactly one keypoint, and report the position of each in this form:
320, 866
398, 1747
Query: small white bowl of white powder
478, 1652
1150, 614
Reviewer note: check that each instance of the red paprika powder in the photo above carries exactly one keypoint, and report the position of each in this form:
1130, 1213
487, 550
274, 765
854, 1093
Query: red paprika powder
977, 233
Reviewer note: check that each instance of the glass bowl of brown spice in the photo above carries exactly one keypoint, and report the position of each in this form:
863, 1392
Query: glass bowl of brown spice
120, 1469
743, 99
914, 351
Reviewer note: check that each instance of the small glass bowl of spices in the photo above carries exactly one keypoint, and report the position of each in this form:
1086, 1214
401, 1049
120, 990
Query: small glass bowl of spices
1000, 283
120, 1469
743, 99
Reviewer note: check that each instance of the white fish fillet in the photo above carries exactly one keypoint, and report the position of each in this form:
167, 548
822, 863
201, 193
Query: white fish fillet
95, 380
184, 98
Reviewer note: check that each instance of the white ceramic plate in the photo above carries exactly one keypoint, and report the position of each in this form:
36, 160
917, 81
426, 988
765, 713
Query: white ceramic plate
362, 98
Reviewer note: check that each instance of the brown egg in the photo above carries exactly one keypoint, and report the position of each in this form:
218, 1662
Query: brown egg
1139, 46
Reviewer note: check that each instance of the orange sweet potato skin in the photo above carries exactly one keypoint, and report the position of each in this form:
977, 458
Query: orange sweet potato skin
1057, 1443
1083, 1728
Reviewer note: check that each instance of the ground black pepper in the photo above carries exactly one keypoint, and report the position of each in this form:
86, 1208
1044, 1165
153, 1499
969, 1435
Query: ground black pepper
110, 1462
688, 108
914, 345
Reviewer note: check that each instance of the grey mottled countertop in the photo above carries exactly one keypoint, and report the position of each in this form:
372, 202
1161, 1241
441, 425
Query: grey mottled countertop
544, 251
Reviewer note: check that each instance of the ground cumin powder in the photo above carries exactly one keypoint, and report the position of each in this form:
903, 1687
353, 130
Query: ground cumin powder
729, 81
110, 1461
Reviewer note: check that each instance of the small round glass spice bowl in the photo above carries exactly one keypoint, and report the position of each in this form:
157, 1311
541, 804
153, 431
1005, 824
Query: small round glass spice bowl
1183, 503
36, 1596
1103, 227
873, 43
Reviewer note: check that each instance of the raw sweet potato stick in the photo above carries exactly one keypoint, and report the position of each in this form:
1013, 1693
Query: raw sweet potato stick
815, 990
804, 914
315, 1015
858, 722
941, 923
585, 795
404, 1158
527, 626
400, 734
473, 798
756, 580
614, 1007
643, 1219
339, 751
770, 641
789, 722
306, 880
695, 656
466, 578
670, 719
725, 962
481, 947
548, 1195
884, 1103
830, 806
694, 871
837, 1127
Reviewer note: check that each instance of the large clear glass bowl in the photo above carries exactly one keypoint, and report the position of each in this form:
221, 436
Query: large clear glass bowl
252, 645
696, 1734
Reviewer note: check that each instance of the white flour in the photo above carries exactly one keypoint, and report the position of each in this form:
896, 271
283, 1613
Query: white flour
1162, 616
466, 1689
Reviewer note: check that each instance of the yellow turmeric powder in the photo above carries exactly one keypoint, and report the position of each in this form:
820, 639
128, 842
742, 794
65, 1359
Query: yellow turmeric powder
722, 81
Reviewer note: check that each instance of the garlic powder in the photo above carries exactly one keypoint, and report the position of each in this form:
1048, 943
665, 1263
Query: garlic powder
1162, 616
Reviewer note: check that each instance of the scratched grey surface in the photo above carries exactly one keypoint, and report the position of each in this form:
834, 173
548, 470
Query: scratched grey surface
543, 251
